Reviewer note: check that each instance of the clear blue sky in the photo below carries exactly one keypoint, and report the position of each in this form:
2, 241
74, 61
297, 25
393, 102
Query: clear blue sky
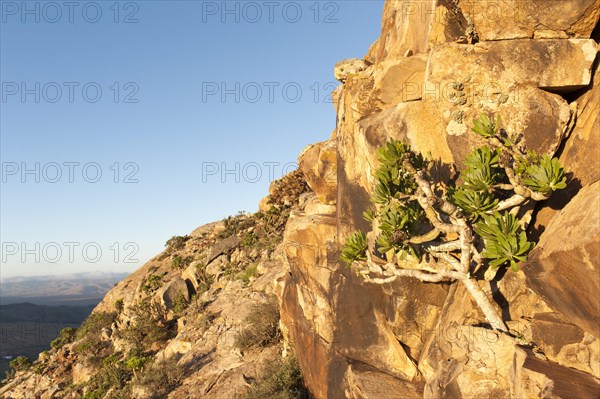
161, 119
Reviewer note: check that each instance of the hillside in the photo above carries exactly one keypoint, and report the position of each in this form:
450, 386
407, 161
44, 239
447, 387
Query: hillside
261, 306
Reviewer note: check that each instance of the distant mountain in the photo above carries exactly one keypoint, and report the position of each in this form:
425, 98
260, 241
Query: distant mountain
73, 289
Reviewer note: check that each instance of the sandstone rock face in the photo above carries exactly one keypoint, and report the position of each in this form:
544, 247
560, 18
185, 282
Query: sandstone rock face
318, 162
564, 272
555, 64
438, 65
513, 19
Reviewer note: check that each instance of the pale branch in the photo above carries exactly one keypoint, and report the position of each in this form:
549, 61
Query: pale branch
392, 272
508, 203
504, 186
423, 238
484, 303
443, 247
425, 186
434, 218
429, 275
520, 189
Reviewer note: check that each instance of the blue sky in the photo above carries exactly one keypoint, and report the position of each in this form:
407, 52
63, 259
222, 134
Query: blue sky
125, 123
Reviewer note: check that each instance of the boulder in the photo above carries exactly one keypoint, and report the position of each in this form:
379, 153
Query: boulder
172, 292
564, 267
222, 247
216, 267
567, 64
514, 19
318, 163
82, 373
399, 80
344, 69
365, 382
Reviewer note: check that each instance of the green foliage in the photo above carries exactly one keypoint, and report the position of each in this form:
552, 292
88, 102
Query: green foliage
475, 196
279, 379
505, 242
89, 338
397, 223
180, 303
94, 324
119, 305
236, 224
260, 327
161, 377
205, 280
369, 215
21, 363
179, 262
152, 283
114, 376
149, 324
39, 368
355, 248
391, 178
176, 243
487, 181
486, 126
249, 239
482, 172
473, 203
542, 174
137, 363
248, 273
66, 336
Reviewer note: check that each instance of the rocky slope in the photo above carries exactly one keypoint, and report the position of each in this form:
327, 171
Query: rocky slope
437, 65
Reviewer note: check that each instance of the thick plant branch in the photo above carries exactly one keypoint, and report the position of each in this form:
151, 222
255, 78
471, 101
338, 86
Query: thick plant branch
443, 247
454, 214
423, 238
508, 203
486, 306
390, 272
421, 275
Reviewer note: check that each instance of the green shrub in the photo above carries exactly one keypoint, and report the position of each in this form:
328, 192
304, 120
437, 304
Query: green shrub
114, 375
204, 279
179, 262
39, 368
66, 336
90, 339
236, 224
149, 324
248, 273
435, 230
152, 283
176, 243
119, 306
280, 379
20, 363
260, 327
249, 239
162, 377
180, 303
94, 324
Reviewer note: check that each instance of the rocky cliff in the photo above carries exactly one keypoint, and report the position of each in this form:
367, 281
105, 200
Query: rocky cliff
437, 65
